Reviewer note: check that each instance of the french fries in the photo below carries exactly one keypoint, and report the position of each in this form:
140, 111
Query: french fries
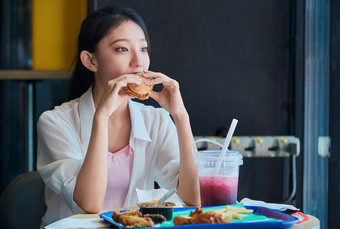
233, 212
236, 216
217, 216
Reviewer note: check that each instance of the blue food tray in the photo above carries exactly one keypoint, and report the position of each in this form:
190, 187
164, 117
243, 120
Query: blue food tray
284, 220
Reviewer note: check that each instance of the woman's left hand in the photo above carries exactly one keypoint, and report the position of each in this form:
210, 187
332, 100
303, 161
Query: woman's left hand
170, 97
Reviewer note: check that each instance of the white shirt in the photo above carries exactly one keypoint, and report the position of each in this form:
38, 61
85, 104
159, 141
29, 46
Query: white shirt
63, 138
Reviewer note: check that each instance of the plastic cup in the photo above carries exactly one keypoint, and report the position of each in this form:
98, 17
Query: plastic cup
218, 188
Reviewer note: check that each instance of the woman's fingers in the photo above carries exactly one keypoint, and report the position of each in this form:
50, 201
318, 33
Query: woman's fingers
120, 82
160, 78
154, 95
170, 97
113, 95
155, 77
129, 78
118, 86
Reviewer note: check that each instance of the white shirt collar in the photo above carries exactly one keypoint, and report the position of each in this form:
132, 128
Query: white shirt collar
138, 129
86, 113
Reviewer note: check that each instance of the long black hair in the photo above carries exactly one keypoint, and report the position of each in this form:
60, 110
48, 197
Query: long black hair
94, 28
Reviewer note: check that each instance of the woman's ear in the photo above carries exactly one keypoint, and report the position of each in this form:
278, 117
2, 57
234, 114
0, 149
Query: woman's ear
88, 61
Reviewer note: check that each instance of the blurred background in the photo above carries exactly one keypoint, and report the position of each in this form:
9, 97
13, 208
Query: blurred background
271, 64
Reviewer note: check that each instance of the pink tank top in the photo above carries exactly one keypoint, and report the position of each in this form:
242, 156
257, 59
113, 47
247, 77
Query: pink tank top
119, 174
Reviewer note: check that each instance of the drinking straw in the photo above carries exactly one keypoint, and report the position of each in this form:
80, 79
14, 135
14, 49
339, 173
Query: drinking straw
226, 144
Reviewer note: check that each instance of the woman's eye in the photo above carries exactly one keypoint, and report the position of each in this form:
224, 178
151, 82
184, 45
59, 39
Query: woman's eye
122, 49
145, 49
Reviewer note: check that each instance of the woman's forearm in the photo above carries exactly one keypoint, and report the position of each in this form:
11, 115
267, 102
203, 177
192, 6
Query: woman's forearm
91, 182
188, 185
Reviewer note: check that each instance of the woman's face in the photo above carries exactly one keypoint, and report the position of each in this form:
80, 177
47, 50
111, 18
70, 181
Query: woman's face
122, 51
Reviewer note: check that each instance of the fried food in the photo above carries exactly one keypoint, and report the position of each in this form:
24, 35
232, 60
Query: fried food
181, 220
233, 212
132, 219
226, 220
236, 216
240, 210
132, 212
200, 217
135, 221
115, 216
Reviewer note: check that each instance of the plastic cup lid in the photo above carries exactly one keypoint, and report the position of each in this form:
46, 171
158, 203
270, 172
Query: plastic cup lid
230, 157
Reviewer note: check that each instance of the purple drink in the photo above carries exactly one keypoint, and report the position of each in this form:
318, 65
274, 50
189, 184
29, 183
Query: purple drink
218, 190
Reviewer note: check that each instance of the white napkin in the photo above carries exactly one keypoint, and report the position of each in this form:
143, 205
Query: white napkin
77, 223
156, 194
258, 203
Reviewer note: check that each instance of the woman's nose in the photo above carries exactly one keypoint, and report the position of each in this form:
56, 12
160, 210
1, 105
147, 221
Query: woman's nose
137, 59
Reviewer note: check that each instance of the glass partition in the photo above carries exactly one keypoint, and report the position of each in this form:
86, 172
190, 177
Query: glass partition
316, 130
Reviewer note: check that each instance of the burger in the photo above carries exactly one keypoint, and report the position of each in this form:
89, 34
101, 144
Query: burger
142, 91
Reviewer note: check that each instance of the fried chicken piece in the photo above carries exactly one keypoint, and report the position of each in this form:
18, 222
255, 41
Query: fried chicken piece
207, 217
115, 215
226, 220
200, 217
133, 212
180, 220
197, 211
135, 221
128, 220
132, 219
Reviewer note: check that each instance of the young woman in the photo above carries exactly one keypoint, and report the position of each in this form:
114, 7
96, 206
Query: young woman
94, 151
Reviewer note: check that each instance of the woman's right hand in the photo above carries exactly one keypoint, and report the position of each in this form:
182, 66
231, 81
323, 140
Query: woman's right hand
113, 95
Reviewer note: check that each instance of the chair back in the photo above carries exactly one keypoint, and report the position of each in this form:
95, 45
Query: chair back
22, 204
